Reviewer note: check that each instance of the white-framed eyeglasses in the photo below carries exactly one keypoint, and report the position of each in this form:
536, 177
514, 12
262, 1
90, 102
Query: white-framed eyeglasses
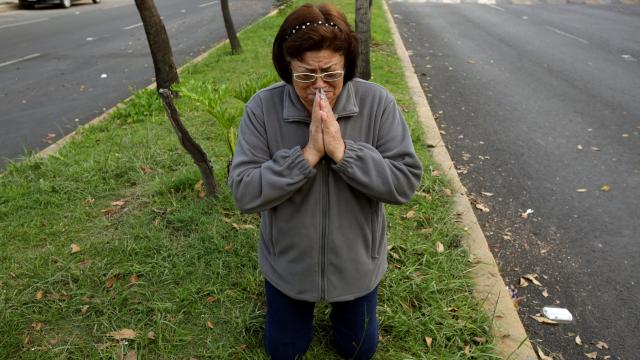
309, 77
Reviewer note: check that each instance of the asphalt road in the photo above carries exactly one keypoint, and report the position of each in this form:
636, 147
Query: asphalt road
539, 105
63, 67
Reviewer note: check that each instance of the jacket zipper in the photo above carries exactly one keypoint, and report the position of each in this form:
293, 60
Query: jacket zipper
323, 240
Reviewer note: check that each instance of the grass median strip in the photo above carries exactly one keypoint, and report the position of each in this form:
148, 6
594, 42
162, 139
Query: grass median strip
107, 249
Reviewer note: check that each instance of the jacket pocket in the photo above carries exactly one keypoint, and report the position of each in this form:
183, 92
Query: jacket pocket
269, 232
376, 238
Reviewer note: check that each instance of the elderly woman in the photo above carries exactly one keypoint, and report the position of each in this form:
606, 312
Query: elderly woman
318, 154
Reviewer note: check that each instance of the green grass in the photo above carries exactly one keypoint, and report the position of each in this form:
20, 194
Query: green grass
194, 265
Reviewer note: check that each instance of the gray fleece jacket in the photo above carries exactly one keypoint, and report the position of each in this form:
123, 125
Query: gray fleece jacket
323, 229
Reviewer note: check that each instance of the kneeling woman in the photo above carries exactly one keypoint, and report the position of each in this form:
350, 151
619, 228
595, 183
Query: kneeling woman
318, 154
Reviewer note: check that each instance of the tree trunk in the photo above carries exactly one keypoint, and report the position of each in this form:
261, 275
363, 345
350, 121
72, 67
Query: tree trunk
236, 48
165, 67
166, 76
196, 152
363, 32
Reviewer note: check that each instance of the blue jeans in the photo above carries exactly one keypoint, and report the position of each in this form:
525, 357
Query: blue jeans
289, 325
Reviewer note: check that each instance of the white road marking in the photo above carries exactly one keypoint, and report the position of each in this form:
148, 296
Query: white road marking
495, 7
18, 60
23, 23
209, 3
132, 26
566, 34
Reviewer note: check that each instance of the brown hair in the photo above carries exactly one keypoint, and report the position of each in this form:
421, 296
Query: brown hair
325, 27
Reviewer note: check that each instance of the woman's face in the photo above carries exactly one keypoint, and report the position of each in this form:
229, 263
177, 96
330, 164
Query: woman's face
318, 62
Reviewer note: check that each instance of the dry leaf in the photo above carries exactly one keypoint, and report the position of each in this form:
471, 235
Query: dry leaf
424, 195
83, 310
439, 247
212, 298
133, 279
119, 203
151, 335
199, 187
470, 61
482, 207
429, 341
123, 334
75, 248
606, 188
242, 226
435, 173
111, 281
581, 190
533, 278
53, 341
146, 169
545, 293
486, 193
592, 355
480, 339
447, 192
108, 211
210, 324
40, 295
602, 345
37, 326
578, 341
228, 247
543, 320
131, 355
542, 355
26, 341
394, 255
526, 214
410, 214
523, 282
467, 349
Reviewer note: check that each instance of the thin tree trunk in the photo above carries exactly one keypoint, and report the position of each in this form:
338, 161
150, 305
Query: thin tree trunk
236, 48
196, 152
165, 67
363, 32
166, 76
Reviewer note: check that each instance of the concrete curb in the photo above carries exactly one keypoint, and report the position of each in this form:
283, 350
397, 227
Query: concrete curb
511, 340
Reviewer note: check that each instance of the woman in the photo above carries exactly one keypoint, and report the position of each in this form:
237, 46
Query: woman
318, 154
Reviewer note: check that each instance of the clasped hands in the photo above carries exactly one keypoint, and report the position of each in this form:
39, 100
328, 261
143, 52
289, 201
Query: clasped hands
324, 134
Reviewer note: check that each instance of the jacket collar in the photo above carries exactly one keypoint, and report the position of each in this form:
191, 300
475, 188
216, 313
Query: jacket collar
294, 110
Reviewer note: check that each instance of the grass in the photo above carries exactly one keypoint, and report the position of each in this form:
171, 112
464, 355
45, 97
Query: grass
157, 258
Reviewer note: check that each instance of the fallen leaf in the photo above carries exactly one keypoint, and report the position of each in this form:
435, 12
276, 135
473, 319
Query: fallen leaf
533, 278
53, 341
228, 247
111, 280
470, 61
592, 355
40, 295
75, 248
602, 345
595, 148
482, 207
394, 255
133, 279
108, 211
242, 226
199, 187
606, 188
410, 214
429, 341
119, 203
545, 293
578, 341
579, 147
212, 298
467, 349
526, 214
151, 335
146, 169
486, 193
26, 341
123, 334
210, 324
480, 339
131, 355
37, 326
542, 355
439, 247
448, 192
543, 320
523, 282
435, 173
606, 357
581, 190
83, 309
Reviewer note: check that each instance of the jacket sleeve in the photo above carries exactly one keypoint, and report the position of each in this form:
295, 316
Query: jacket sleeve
389, 172
258, 180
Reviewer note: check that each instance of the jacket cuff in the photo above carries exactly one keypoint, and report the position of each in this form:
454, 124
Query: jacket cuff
348, 159
300, 164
